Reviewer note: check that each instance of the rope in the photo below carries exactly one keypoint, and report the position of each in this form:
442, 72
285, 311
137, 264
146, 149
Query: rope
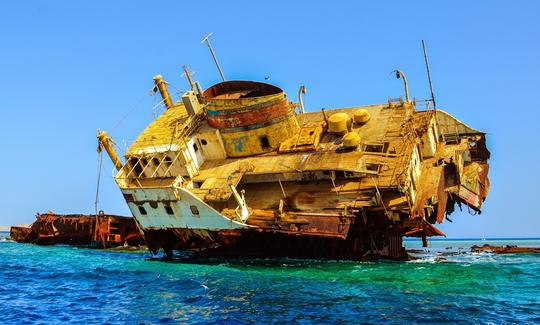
156, 106
178, 91
100, 164
151, 92
128, 113
96, 202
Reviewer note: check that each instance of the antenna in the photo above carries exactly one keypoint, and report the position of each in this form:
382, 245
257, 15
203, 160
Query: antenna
429, 75
207, 41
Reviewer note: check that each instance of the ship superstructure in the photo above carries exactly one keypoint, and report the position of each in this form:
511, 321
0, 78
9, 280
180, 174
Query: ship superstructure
240, 170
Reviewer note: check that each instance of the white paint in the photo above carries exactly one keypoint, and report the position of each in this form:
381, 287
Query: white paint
214, 148
183, 216
155, 149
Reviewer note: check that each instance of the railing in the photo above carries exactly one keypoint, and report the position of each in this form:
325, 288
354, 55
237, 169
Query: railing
425, 105
136, 166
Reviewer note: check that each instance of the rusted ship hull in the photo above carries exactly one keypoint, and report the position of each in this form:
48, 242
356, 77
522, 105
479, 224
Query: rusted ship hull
236, 171
358, 240
385, 244
99, 231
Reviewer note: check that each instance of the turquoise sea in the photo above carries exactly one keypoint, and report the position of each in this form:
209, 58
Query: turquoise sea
60, 284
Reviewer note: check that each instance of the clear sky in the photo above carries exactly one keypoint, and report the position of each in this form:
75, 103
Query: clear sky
68, 68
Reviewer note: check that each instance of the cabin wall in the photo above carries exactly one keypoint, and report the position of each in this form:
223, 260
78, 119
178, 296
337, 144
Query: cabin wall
193, 156
211, 145
259, 140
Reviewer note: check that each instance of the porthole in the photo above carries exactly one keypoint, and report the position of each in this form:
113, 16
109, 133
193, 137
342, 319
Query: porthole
142, 210
194, 210
169, 210
265, 143
168, 161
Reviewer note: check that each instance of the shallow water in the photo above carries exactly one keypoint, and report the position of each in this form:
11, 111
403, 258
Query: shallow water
63, 284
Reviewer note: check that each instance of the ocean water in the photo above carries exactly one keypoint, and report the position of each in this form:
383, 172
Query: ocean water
61, 284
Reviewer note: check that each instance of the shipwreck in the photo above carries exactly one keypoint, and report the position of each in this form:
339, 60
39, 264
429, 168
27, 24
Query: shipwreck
238, 169
99, 231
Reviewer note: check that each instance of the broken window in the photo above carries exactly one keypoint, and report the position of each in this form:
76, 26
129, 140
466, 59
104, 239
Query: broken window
265, 144
136, 166
142, 210
376, 147
168, 161
373, 167
169, 210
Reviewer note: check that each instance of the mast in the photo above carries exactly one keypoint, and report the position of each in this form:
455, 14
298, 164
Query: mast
162, 87
105, 142
429, 75
207, 41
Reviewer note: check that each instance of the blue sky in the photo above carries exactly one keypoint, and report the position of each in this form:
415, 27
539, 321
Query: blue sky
68, 68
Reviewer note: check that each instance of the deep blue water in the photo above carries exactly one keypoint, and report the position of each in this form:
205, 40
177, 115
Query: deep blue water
73, 285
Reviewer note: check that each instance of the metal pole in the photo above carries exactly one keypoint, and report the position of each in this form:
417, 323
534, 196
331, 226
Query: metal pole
207, 41
301, 91
429, 74
188, 75
105, 142
400, 74
162, 87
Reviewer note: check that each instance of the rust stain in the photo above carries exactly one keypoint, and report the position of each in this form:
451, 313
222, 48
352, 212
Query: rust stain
89, 230
333, 182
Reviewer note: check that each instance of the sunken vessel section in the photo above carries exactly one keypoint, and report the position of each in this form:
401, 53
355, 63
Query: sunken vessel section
239, 170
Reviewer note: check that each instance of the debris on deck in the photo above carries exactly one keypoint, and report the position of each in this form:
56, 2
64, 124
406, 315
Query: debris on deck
238, 170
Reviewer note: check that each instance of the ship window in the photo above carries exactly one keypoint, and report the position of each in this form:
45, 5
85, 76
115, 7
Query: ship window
155, 161
195, 147
197, 184
373, 167
136, 165
142, 210
204, 142
194, 210
129, 197
168, 161
169, 209
376, 147
265, 144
